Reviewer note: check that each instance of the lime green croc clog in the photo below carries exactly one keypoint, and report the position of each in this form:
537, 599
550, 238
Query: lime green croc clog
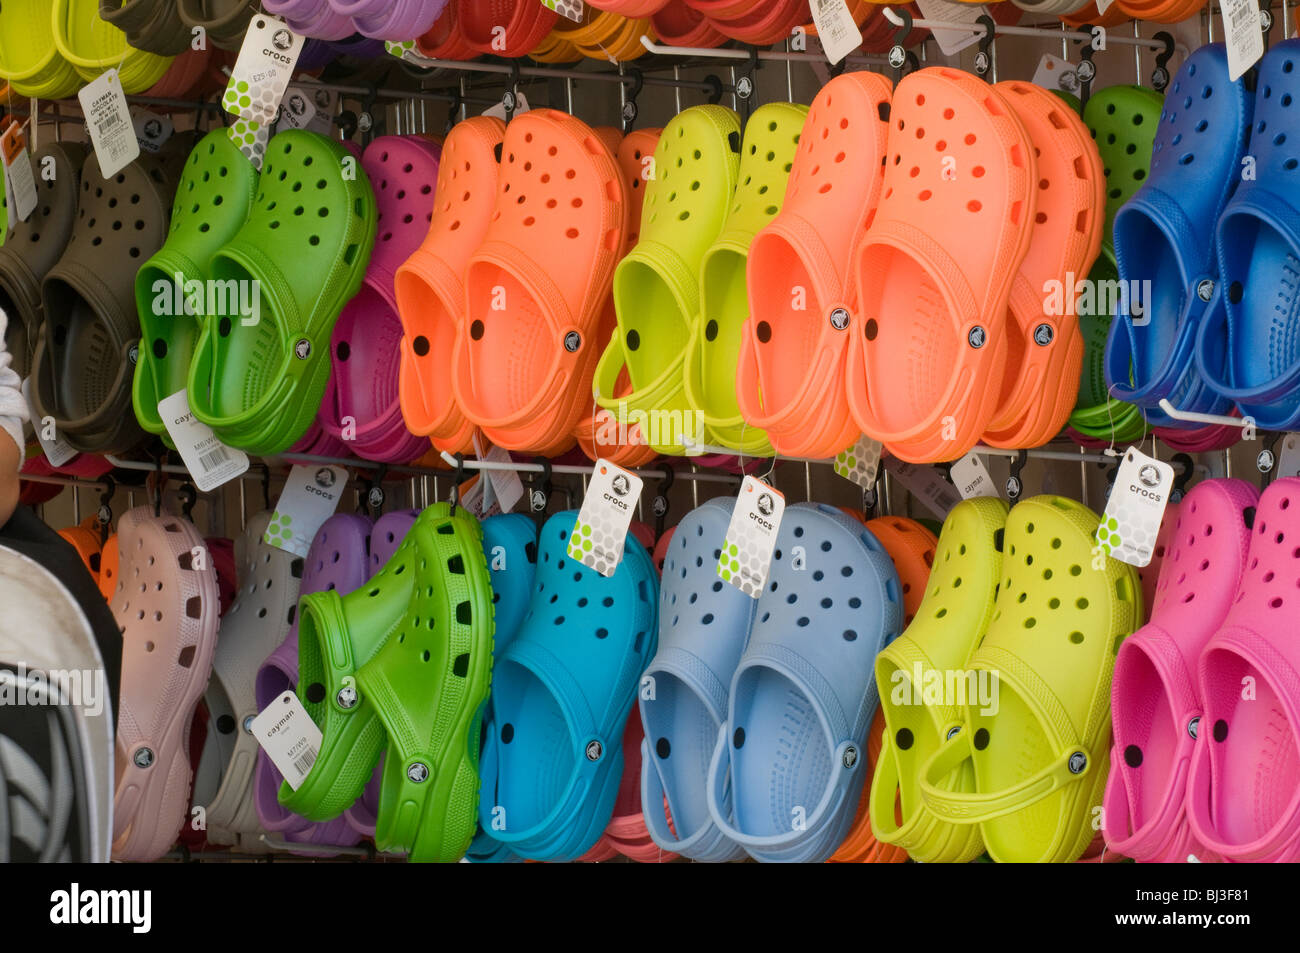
29, 60
657, 286
766, 157
913, 673
212, 202
93, 45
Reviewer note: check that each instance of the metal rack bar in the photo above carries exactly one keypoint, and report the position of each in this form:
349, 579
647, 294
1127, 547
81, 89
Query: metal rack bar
770, 55
1050, 35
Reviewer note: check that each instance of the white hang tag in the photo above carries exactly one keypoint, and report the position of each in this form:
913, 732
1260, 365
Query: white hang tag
1243, 34
262, 72
499, 110
251, 139
108, 119
20, 182
569, 9
297, 111
1135, 508
1055, 73
209, 461
840, 36
747, 549
860, 463
927, 484
971, 477
152, 130
506, 487
311, 495
1103, 6
953, 41
601, 528
57, 450
1288, 458
289, 737
475, 499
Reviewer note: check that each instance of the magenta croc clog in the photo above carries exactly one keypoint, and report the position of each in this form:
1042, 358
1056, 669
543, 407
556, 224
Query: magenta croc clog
362, 406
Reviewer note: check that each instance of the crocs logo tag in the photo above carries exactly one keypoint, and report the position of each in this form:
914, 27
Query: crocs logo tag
417, 773
1205, 289
1078, 762
1265, 461
302, 349
897, 57
850, 756
248, 724
840, 319
133, 355
1193, 725
1043, 335
976, 337
594, 751
953, 732
347, 697
572, 341
143, 758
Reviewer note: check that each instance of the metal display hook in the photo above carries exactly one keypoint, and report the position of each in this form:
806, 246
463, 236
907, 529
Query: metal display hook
984, 55
1160, 75
901, 59
630, 110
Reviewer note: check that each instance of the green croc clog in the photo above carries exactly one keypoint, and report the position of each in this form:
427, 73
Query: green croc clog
29, 60
657, 286
93, 46
258, 381
357, 672
212, 203
766, 157
912, 670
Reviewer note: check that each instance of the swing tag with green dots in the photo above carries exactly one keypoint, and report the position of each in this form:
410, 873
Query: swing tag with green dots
746, 555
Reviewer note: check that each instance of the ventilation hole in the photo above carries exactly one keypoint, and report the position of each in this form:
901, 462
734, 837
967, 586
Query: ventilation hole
456, 565
194, 608
315, 693
1133, 756
186, 658
1220, 730
738, 738
507, 730
1076, 638
981, 739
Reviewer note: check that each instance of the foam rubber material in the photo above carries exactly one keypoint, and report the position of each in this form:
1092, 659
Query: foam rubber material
306, 243
151, 25
428, 687
87, 540
1244, 348
224, 21
918, 280
630, 8
521, 23
430, 285
213, 199
911, 548
338, 636
396, 20
534, 289
765, 24
337, 560
563, 689
790, 374
1243, 792
703, 627
680, 25
92, 46
598, 434
1040, 760
953, 616
713, 347
804, 685
444, 39
34, 246
169, 635
1164, 235
312, 18
253, 627
364, 347
657, 285
82, 371
1155, 701
1045, 348
29, 60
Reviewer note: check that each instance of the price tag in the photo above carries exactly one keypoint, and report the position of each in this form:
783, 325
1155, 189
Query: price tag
601, 528
569, 9
1244, 34
971, 477
861, 462
152, 130
1136, 506
310, 497
289, 737
840, 36
57, 450
1055, 73
250, 138
926, 484
20, 182
1288, 460
751, 537
108, 119
503, 487
262, 72
209, 461
953, 41
499, 110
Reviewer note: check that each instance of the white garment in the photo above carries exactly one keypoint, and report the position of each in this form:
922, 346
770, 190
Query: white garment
13, 408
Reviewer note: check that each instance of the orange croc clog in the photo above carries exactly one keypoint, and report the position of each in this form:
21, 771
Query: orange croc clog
88, 540
431, 284
1045, 354
933, 274
598, 433
790, 374
536, 287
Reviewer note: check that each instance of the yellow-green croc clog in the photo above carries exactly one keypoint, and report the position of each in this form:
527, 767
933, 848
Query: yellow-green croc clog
93, 45
29, 60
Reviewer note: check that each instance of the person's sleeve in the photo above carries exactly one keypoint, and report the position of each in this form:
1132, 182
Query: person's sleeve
13, 408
